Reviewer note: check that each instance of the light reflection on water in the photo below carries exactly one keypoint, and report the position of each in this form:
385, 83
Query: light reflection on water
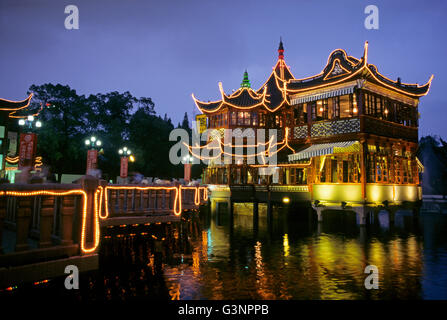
287, 256
290, 258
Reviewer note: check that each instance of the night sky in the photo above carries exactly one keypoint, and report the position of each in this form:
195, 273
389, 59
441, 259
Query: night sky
167, 50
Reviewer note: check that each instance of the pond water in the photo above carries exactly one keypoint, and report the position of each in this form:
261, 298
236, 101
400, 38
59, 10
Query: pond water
288, 255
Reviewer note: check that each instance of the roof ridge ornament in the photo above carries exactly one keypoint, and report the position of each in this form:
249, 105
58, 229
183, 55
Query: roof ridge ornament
365, 53
245, 81
280, 49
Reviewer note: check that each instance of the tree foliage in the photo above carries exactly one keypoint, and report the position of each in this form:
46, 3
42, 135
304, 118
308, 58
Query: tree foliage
432, 152
117, 119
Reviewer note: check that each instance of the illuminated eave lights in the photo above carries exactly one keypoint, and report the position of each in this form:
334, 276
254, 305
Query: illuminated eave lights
84, 211
365, 66
266, 153
280, 63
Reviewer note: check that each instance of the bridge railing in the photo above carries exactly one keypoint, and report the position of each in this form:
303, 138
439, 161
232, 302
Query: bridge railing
134, 200
50, 223
139, 200
40, 222
36, 216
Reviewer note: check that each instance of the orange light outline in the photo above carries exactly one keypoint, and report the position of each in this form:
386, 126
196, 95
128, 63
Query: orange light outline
12, 160
328, 75
222, 102
284, 143
84, 211
177, 200
20, 108
196, 193
365, 66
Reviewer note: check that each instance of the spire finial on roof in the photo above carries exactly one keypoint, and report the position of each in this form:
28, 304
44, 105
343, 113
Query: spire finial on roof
280, 49
245, 81
365, 53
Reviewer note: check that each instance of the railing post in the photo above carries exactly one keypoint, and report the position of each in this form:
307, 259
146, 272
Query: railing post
145, 200
137, 200
23, 221
2, 219
121, 199
157, 200
90, 184
151, 200
67, 213
112, 200
46, 221
130, 201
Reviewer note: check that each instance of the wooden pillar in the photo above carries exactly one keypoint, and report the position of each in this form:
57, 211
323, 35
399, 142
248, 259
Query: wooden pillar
309, 120
163, 197
269, 205
319, 211
145, 200
46, 221
255, 213
362, 215
159, 200
2, 219
120, 196
23, 221
231, 220
231, 208
391, 215
138, 199
112, 200
89, 185
170, 200
213, 206
363, 166
255, 209
67, 213
130, 199
153, 200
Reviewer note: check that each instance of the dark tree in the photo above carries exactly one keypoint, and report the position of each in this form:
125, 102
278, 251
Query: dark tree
65, 123
118, 119
185, 122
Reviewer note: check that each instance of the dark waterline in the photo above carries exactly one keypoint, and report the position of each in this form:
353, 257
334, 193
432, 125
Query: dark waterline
290, 256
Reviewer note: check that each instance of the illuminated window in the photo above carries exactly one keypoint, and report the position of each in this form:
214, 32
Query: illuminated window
300, 115
336, 107
247, 118
379, 107
233, 118
313, 110
325, 110
240, 118
346, 106
261, 119
254, 118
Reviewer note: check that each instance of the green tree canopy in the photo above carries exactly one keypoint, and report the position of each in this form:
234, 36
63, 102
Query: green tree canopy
118, 119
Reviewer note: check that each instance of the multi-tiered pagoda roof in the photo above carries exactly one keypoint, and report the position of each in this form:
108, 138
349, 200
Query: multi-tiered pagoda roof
340, 68
271, 95
281, 83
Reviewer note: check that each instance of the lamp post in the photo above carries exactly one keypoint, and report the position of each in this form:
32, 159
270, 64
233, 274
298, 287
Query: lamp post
93, 145
187, 161
125, 153
28, 141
